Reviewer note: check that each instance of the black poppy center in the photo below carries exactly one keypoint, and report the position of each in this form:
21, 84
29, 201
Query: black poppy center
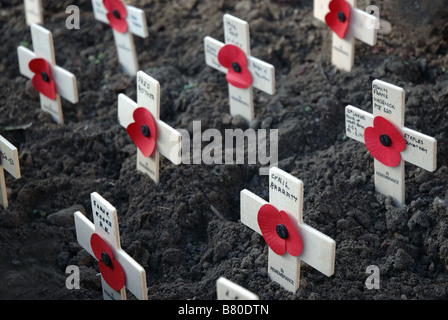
145, 131
116, 13
341, 16
236, 67
45, 76
385, 140
282, 231
106, 259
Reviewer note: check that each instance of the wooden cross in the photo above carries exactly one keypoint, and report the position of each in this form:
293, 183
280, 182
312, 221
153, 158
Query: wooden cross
228, 290
33, 12
421, 150
105, 225
65, 82
236, 32
9, 161
124, 41
361, 27
168, 141
286, 194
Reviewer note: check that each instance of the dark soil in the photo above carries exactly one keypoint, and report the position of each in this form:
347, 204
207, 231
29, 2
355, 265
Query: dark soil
185, 231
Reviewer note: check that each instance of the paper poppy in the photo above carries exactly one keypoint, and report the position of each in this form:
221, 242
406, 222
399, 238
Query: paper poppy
278, 231
143, 131
116, 14
110, 269
234, 59
338, 18
42, 79
384, 142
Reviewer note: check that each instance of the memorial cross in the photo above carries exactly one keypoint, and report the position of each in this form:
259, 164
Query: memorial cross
389, 141
348, 23
50, 80
281, 224
243, 71
102, 240
125, 21
142, 122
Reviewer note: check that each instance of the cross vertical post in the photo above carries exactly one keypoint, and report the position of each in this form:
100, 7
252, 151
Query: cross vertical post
236, 32
116, 260
420, 150
286, 194
64, 81
167, 140
228, 290
361, 26
33, 12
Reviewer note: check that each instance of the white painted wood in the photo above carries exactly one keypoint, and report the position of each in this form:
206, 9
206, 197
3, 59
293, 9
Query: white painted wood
9, 161
236, 32
228, 290
343, 50
388, 101
286, 193
127, 56
106, 225
33, 12
168, 139
65, 81
124, 42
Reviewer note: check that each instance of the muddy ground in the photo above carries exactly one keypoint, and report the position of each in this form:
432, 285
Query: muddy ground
185, 231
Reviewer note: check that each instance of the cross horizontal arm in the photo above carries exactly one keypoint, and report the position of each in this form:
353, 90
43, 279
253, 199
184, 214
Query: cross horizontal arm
84, 230
250, 204
356, 122
9, 158
65, 81
168, 139
421, 150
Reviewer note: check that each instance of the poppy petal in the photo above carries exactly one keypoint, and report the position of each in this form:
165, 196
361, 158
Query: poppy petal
227, 57
116, 7
143, 117
388, 155
114, 274
333, 18
293, 241
45, 86
268, 219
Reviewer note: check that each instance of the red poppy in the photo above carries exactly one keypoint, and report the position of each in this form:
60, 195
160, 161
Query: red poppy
116, 13
110, 269
143, 131
384, 142
278, 231
234, 59
42, 79
338, 18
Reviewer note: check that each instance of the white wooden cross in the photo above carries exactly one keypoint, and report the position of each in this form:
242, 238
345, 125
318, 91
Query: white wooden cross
361, 27
228, 290
168, 141
236, 32
33, 12
421, 150
9, 161
105, 225
286, 194
124, 41
65, 81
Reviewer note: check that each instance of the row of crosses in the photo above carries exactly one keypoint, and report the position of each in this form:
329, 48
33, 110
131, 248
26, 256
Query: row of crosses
243, 72
280, 220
